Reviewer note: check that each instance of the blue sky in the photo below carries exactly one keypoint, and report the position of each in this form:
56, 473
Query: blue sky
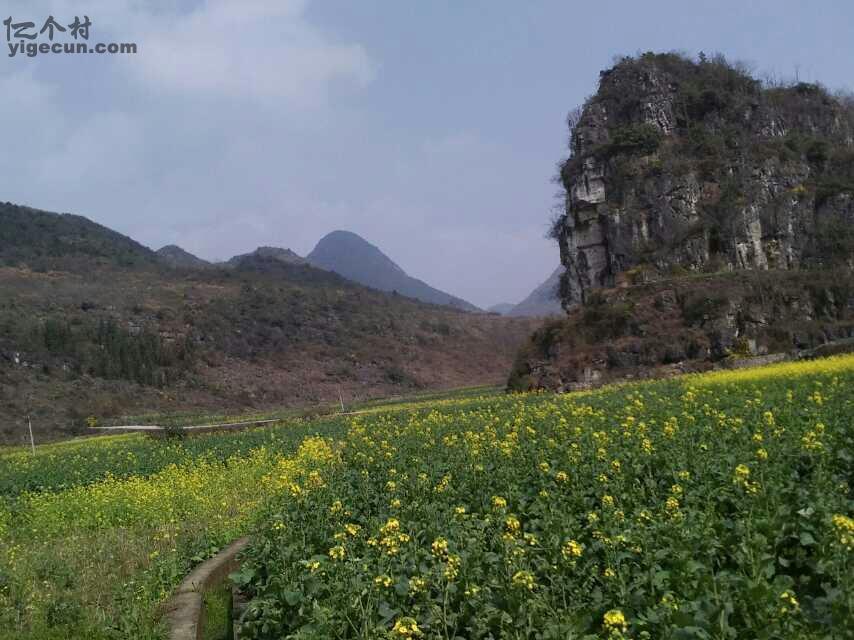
432, 128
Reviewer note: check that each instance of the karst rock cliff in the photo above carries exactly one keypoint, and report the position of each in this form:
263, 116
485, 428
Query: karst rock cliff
679, 165
708, 220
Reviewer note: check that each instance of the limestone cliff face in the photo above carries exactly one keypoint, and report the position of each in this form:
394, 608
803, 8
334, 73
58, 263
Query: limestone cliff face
679, 165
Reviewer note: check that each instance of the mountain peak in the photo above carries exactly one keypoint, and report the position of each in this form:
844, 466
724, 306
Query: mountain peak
276, 253
542, 301
353, 257
338, 247
175, 256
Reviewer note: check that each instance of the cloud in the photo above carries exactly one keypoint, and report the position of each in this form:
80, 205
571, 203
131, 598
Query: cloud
211, 83
253, 49
261, 49
30, 120
244, 123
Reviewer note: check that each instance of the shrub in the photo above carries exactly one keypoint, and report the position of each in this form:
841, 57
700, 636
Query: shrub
697, 308
638, 139
606, 320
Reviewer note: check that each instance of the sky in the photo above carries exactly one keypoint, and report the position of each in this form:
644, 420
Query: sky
432, 128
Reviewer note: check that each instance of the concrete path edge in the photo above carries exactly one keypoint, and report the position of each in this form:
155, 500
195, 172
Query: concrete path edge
185, 611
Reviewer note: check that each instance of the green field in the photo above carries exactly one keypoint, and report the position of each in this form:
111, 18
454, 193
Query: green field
713, 506
716, 506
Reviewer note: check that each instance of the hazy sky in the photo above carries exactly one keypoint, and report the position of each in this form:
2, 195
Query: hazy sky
432, 128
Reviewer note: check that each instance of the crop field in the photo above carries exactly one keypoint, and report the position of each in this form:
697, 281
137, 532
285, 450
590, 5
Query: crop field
95, 534
714, 506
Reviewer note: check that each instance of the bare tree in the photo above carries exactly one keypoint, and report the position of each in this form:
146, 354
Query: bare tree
572, 120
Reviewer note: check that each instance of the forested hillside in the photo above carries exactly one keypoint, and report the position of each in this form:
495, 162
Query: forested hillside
95, 325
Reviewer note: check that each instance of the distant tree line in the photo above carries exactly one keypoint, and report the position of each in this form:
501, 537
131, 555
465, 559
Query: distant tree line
103, 349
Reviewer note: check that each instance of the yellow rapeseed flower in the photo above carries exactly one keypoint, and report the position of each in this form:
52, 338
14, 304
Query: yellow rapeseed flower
512, 524
790, 604
383, 580
406, 628
669, 602
525, 580
844, 527
614, 620
439, 548
452, 567
417, 585
571, 550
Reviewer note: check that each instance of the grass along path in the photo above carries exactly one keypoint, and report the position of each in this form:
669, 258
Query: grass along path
95, 560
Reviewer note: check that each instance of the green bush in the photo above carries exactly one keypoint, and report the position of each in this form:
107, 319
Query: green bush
696, 308
637, 139
606, 320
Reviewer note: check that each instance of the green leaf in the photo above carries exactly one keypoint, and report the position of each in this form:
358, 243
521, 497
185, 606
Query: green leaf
807, 539
386, 612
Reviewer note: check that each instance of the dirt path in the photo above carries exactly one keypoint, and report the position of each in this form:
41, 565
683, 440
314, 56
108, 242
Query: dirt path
218, 426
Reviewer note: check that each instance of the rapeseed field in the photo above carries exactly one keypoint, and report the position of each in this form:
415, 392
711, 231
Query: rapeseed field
708, 506
714, 506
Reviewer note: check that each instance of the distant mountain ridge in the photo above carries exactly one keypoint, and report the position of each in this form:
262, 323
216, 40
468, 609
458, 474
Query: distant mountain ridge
542, 301
175, 256
502, 308
28, 234
276, 253
354, 258
93, 323
40, 238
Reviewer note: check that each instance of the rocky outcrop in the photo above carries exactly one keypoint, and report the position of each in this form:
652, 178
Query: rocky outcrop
708, 219
688, 324
681, 166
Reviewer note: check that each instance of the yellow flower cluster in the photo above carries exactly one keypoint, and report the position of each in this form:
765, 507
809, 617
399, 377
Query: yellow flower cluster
417, 585
525, 580
811, 440
571, 550
439, 547
614, 620
741, 477
452, 567
789, 603
511, 526
391, 537
383, 581
406, 628
844, 527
